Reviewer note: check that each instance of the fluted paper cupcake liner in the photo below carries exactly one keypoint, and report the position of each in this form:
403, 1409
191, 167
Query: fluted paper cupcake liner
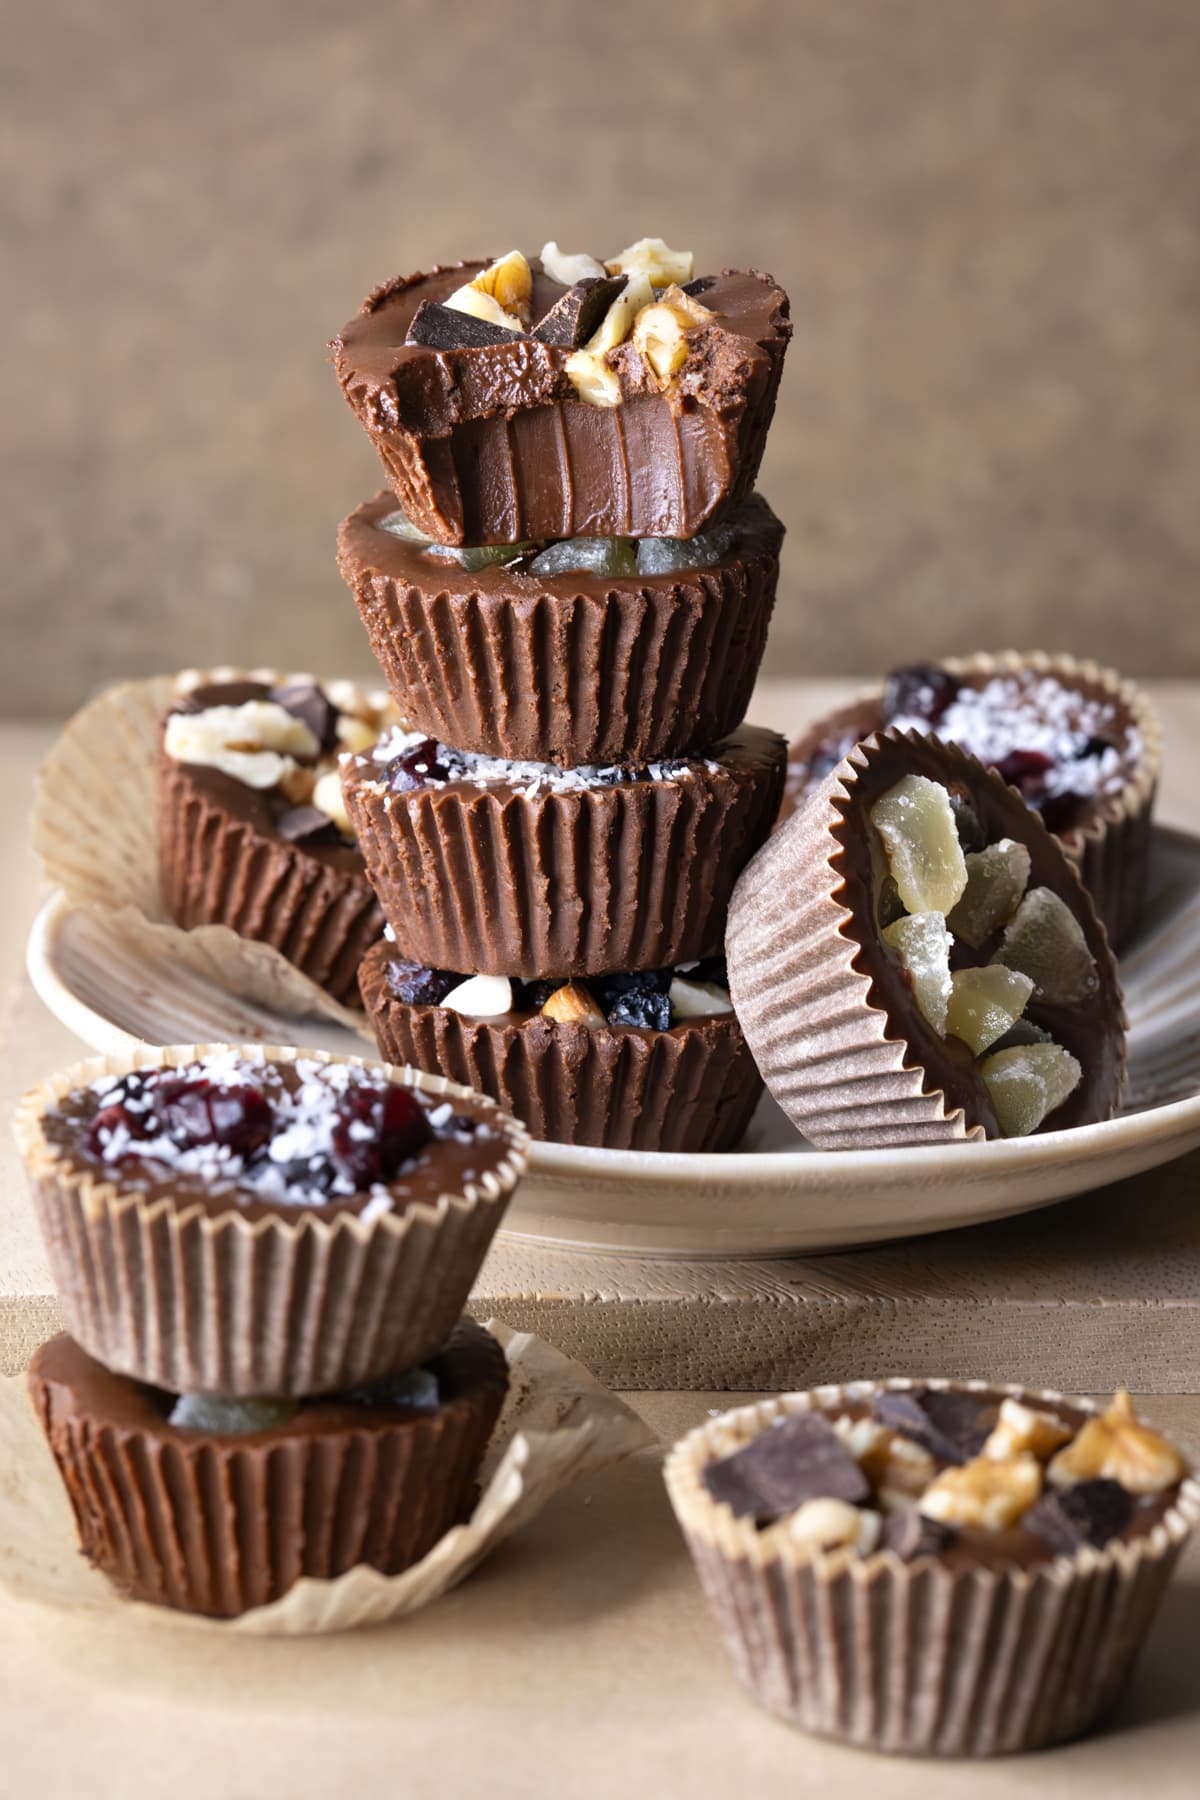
1112, 850
916, 1656
565, 672
94, 829
218, 869
553, 883
692, 1088
290, 1304
220, 1524
826, 1045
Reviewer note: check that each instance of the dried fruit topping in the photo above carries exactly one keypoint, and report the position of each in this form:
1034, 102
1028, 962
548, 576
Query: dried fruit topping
985, 1494
667, 556
480, 997
1118, 1447
216, 1414
922, 945
1026, 770
416, 985
654, 259
984, 1004
572, 1004
920, 836
1022, 1429
202, 1112
611, 556
376, 1130
919, 691
1027, 1084
641, 998
1046, 942
997, 877
413, 768
415, 1388
116, 1122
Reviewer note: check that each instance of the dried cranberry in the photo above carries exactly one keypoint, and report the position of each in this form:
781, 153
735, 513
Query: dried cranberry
202, 1112
531, 996
375, 1131
110, 1120
826, 757
919, 691
640, 998
1061, 812
415, 767
1026, 770
416, 985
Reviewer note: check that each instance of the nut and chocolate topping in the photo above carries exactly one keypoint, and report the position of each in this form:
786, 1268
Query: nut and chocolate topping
568, 380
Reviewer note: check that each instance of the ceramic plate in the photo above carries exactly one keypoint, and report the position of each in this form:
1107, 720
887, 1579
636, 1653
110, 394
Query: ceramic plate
773, 1196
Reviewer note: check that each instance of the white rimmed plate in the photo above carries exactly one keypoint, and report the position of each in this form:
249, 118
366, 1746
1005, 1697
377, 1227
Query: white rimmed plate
774, 1196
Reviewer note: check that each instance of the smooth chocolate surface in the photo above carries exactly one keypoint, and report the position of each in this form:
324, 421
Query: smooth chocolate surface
492, 445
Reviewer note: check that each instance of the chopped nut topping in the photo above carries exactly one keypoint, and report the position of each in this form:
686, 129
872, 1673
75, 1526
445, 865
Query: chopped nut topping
255, 743
984, 1493
1118, 1447
698, 999
569, 269
500, 294
1022, 1429
834, 1525
586, 369
480, 997
662, 332
572, 1004
328, 798
356, 735
656, 260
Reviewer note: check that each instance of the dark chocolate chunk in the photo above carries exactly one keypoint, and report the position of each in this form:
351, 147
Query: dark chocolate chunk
572, 319
415, 985
796, 1459
1091, 1512
307, 826
953, 1427
910, 1534
700, 285
445, 328
306, 702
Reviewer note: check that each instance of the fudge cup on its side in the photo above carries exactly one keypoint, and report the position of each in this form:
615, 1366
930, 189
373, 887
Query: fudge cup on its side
246, 1220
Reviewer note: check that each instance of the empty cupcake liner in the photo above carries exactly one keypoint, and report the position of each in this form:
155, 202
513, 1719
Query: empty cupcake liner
691, 1088
291, 1304
915, 1656
649, 668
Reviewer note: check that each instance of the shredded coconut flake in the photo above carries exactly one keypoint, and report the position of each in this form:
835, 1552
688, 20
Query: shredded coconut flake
530, 778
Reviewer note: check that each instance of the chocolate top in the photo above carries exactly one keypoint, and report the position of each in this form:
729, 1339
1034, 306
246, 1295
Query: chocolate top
264, 1137
1093, 1032
428, 391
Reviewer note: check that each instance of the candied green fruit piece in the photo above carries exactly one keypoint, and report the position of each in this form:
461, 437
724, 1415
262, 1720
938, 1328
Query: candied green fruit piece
984, 1004
663, 556
1027, 1084
589, 555
996, 879
216, 1413
1045, 941
922, 944
470, 557
919, 832
417, 1388
400, 525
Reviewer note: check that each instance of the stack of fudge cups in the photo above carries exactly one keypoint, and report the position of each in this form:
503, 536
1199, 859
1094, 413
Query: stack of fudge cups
567, 585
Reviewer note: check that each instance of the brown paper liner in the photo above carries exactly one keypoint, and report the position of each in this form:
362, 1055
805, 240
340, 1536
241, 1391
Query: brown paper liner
94, 829
602, 879
692, 1088
217, 1524
217, 869
1112, 850
828, 1043
916, 1657
555, 673
291, 1304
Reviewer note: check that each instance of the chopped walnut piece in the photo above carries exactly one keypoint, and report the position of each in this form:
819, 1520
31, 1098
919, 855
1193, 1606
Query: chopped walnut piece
984, 1493
834, 1525
1021, 1429
572, 1004
1118, 1447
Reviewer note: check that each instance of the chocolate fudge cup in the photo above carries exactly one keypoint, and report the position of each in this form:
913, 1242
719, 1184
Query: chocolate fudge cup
571, 668
212, 1520
1106, 831
829, 1005
490, 444
263, 861
692, 1087
524, 869
199, 1284
942, 1655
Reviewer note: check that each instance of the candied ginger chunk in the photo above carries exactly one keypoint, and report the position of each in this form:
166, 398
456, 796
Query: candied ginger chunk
922, 944
984, 1004
916, 822
1045, 941
996, 879
1027, 1084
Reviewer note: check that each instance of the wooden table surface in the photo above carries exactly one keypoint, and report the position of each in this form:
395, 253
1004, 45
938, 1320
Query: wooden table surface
580, 1660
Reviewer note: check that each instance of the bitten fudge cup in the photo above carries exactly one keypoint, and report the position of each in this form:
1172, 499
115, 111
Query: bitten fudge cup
1082, 744
893, 1631
645, 1063
260, 1220
252, 832
485, 437
216, 1507
525, 869
914, 960
534, 658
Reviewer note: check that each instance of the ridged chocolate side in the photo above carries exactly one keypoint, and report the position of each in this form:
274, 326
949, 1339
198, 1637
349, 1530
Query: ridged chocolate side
692, 1088
918, 1657
217, 869
555, 673
585, 882
218, 1525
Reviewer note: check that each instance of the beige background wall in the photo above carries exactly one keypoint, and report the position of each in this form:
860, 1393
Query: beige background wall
985, 211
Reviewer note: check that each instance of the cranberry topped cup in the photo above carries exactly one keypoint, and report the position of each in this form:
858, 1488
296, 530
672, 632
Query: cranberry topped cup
530, 398
526, 869
214, 1506
914, 960
1081, 745
652, 1060
252, 829
256, 1220
998, 1554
